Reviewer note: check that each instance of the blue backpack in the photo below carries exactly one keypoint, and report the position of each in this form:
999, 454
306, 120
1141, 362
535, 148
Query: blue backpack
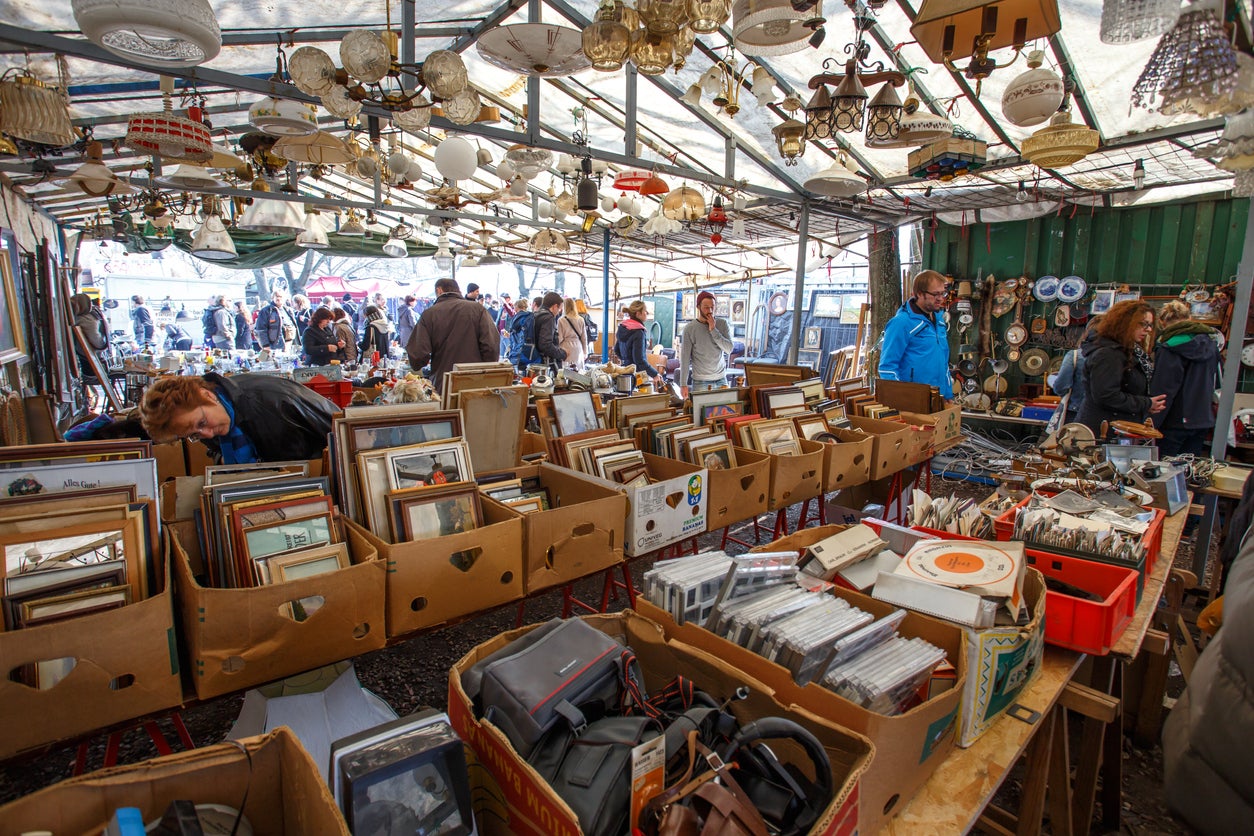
522, 339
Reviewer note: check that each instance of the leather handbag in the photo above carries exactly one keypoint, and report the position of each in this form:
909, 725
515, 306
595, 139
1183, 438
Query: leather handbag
711, 804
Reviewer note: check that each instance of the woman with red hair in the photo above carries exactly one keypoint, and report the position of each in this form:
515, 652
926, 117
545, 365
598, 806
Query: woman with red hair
1118, 367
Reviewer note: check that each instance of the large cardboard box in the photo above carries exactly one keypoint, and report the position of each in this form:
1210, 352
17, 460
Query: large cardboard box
673, 508
1002, 660
126, 665
434, 581
510, 797
944, 427
238, 638
581, 533
894, 446
848, 462
797, 478
739, 493
285, 793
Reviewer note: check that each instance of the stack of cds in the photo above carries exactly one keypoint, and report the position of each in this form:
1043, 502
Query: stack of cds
886, 678
803, 642
687, 587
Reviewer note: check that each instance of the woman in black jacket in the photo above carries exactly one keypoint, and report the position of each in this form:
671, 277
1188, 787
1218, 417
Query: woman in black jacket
547, 342
376, 336
1186, 373
629, 340
242, 418
1118, 369
321, 343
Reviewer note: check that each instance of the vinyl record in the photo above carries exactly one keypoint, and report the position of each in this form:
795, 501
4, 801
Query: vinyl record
1034, 362
955, 563
1046, 288
1072, 289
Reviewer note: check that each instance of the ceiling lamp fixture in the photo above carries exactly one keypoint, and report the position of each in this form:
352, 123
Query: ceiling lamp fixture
1034, 95
163, 33
212, 241
684, 204
1235, 149
1127, 21
606, 40
790, 139
443, 256
1060, 143
772, 27
953, 157
283, 117
318, 149
548, 241
651, 53
314, 235
94, 178
943, 26
170, 137
276, 217
35, 111
662, 17
455, 159
395, 245
190, 177
653, 186
660, 225
837, 180
918, 127
540, 49
706, 16
352, 226
1195, 60
528, 162
631, 179
717, 221
844, 110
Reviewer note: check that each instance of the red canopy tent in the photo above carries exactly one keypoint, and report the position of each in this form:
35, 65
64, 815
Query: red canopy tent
337, 286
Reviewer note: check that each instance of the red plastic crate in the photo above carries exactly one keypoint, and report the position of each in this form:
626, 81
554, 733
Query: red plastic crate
1077, 624
338, 392
1004, 525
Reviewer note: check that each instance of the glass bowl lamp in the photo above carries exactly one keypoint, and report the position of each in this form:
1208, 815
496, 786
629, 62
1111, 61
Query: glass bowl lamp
444, 73
1034, 95
164, 33
790, 140
529, 162
684, 204
540, 49
652, 54
455, 159
837, 180
283, 117
365, 55
311, 70
606, 41
1060, 143
314, 235
662, 17
190, 177
706, 16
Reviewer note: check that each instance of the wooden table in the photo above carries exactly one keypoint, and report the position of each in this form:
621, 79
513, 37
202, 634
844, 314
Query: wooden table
958, 794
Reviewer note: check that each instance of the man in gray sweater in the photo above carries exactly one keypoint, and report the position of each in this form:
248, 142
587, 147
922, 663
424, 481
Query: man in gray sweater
706, 342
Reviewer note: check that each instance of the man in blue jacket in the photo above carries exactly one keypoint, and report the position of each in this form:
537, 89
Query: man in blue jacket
915, 346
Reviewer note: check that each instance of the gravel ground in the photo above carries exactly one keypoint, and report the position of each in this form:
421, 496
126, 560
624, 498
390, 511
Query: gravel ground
414, 674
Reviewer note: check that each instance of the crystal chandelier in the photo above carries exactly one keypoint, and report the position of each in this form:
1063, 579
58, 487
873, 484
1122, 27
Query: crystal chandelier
1126, 21
1194, 61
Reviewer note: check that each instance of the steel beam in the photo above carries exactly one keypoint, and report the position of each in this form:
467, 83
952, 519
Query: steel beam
803, 237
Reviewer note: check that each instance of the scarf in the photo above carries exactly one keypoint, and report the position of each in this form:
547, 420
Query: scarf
1187, 328
1143, 360
235, 447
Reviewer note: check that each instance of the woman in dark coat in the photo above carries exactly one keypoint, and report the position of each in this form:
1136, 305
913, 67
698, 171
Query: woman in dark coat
377, 333
1118, 369
629, 341
321, 343
1186, 371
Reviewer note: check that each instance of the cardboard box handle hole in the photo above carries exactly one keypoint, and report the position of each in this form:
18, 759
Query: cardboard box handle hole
506, 578
762, 497
233, 664
361, 630
746, 481
892, 802
674, 499
27, 674
858, 458
548, 557
650, 525
465, 560
809, 474
840, 477
119, 683
583, 529
301, 609
418, 604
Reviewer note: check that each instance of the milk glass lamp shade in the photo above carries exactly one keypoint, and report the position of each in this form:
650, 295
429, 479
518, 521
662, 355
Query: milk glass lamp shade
951, 26
444, 73
838, 180
1126, 21
283, 117
352, 225
1034, 95
462, 108
365, 55
278, 217
770, 27
684, 204
94, 178
312, 70
165, 33
314, 235
541, 49
1194, 60
706, 16
213, 242
606, 41
190, 177
443, 255
919, 128
455, 159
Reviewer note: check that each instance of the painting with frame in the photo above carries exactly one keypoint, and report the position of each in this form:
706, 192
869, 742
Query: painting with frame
826, 305
688, 306
813, 338
739, 307
354, 433
12, 342
307, 563
722, 305
424, 515
407, 467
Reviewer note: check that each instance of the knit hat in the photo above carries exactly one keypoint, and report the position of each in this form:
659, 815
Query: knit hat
471, 288
703, 295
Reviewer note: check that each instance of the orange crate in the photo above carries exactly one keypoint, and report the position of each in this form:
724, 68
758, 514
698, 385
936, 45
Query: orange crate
338, 392
1079, 624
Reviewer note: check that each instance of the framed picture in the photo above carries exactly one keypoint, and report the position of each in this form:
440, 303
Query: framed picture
688, 306
400, 425
809, 426
813, 338
1127, 296
575, 413
739, 307
12, 346
767, 433
61, 607
288, 536
1103, 300
69, 478
827, 305
808, 358
851, 308
308, 563
428, 464
41, 585
526, 504
722, 305
784, 447
716, 456
439, 514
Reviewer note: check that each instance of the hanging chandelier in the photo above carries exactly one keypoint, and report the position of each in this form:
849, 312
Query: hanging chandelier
845, 109
1194, 61
165, 33
168, 135
790, 139
94, 178
36, 112
659, 35
774, 27
1060, 143
944, 28
1127, 21
539, 49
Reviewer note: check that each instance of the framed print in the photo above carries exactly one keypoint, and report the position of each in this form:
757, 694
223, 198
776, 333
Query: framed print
288, 536
423, 517
377, 427
1127, 296
575, 413
738, 310
717, 456
767, 433
73, 452
308, 563
851, 308
1103, 300
719, 411
784, 447
68, 478
810, 425
722, 305
59, 608
525, 504
78, 545
12, 345
808, 358
688, 306
41, 585
713, 397
827, 305
428, 464
813, 339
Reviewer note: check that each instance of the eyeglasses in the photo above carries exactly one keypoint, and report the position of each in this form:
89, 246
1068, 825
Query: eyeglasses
1146, 325
199, 428
937, 294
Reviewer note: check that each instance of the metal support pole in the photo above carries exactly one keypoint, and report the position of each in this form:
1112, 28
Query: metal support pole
803, 234
629, 106
729, 158
408, 36
605, 287
533, 85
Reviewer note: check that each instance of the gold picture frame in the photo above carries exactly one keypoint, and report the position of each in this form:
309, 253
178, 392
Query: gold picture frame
12, 340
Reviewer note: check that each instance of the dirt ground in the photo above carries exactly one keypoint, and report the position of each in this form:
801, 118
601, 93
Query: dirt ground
415, 674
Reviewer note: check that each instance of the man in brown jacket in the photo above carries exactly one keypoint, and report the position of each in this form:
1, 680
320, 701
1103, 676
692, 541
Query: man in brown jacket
453, 330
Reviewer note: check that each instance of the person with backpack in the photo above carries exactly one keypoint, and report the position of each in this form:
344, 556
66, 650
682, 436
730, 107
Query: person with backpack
629, 341
572, 335
177, 337
219, 325
378, 333
519, 326
546, 340
276, 328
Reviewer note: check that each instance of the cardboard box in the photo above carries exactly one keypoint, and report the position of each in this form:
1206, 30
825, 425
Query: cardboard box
126, 666
942, 430
797, 478
847, 463
430, 582
285, 792
510, 797
171, 459
739, 493
894, 445
238, 638
672, 508
1002, 660
581, 533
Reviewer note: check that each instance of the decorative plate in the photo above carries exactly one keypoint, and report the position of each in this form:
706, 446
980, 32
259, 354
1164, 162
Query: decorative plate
1199, 295
1046, 288
778, 303
1062, 316
1247, 355
1072, 289
1013, 355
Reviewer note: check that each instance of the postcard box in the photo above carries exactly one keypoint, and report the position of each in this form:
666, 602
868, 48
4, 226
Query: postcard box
238, 638
126, 665
581, 533
796, 478
442, 579
672, 508
894, 445
284, 790
848, 462
739, 493
511, 798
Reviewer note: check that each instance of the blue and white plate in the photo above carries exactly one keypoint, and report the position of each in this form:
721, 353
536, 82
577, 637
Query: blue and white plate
1046, 288
1072, 289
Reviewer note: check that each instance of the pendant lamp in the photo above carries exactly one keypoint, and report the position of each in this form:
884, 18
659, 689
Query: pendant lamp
213, 242
164, 33
314, 235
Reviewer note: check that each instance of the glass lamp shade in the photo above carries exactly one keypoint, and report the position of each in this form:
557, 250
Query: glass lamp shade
1126, 21
518, 187
586, 198
692, 97
819, 115
1195, 59
685, 40
564, 203
706, 16
417, 118
35, 112
1235, 149
919, 128
566, 164
631, 179
662, 17
884, 114
606, 41
1034, 95
462, 108
770, 27
763, 86
319, 148
654, 185
166, 33
542, 49
838, 180
365, 55
528, 162
957, 23
280, 217
443, 255
314, 235
444, 73
169, 136
283, 117
339, 104
94, 178
455, 159
395, 248
312, 70
190, 177
652, 54
849, 104
548, 241
684, 204
213, 242
353, 226
790, 140
1060, 143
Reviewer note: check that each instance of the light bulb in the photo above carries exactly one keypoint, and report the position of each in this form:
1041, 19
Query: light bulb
1138, 175
1022, 195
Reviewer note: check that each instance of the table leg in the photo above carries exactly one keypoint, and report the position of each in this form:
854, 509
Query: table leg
1205, 529
1112, 760
1060, 778
1036, 776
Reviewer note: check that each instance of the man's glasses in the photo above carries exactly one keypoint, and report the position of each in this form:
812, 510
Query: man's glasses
937, 294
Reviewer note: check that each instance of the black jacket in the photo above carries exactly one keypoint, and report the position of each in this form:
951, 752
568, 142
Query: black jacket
315, 344
375, 338
546, 337
1186, 370
283, 419
1118, 388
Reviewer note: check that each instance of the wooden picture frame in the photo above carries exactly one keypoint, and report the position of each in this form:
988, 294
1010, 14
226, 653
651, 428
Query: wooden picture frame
72, 605
813, 338
12, 336
769, 432
429, 514
308, 563
575, 413
738, 312
826, 305
407, 466
719, 456
99, 372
